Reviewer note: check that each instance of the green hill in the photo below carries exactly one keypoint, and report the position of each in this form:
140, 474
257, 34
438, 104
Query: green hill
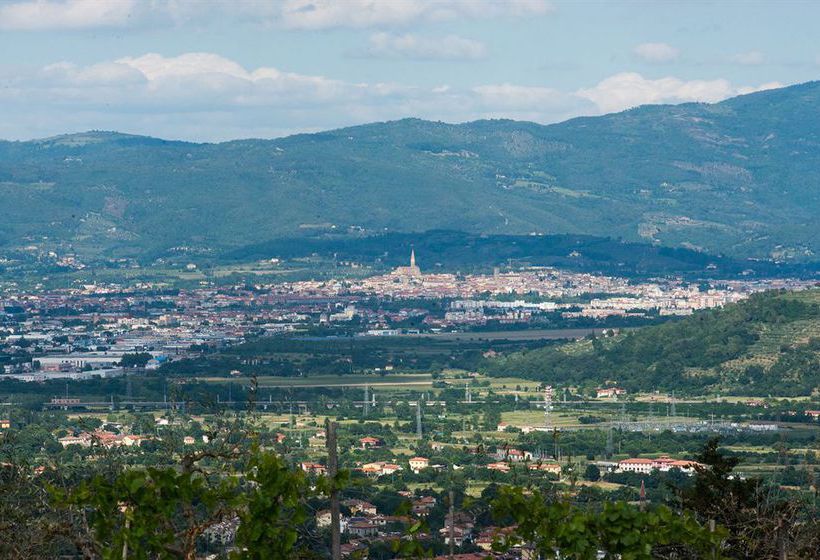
739, 177
768, 344
447, 250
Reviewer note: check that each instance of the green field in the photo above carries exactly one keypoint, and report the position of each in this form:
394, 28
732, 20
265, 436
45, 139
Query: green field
520, 418
414, 380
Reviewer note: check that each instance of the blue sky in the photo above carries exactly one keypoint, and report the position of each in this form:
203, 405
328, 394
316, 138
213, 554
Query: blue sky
211, 70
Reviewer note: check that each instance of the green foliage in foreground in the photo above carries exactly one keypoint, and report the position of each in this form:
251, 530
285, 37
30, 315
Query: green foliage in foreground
161, 513
664, 356
273, 511
619, 530
760, 519
138, 513
110, 511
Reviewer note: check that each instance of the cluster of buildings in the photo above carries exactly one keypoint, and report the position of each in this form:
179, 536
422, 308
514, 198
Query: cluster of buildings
85, 331
478, 299
646, 466
366, 525
665, 296
103, 438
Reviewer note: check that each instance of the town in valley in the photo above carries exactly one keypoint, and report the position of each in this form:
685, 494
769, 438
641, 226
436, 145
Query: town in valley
409, 367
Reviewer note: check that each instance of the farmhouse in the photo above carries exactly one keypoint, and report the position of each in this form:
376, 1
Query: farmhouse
419, 463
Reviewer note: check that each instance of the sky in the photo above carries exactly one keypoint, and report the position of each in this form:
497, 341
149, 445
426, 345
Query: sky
214, 70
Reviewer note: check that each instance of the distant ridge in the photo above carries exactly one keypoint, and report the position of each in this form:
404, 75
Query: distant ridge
740, 178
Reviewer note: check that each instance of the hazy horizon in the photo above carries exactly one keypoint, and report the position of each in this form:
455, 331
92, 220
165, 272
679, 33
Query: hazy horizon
398, 119
218, 70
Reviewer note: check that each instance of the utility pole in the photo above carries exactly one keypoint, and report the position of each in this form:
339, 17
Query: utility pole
642, 497
332, 469
366, 405
452, 526
610, 447
419, 431
125, 540
782, 535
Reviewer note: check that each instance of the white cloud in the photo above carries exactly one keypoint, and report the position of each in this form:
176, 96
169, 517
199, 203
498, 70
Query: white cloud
204, 96
510, 95
656, 52
325, 14
156, 67
630, 89
450, 47
749, 58
102, 74
66, 14
533, 103
35, 15
762, 87
220, 81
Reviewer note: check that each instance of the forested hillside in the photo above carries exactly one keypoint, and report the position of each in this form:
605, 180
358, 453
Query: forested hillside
738, 177
460, 251
768, 344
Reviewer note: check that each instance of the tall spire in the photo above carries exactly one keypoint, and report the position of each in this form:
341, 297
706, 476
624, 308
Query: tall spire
412, 257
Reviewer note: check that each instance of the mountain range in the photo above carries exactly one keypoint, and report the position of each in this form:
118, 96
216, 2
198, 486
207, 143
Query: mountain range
739, 178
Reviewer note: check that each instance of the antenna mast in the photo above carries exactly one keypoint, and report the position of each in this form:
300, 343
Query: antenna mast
547, 405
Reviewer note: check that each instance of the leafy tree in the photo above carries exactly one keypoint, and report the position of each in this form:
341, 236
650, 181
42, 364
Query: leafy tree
162, 513
491, 420
30, 528
135, 360
618, 529
592, 473
273, 511
152, 513
761, 518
